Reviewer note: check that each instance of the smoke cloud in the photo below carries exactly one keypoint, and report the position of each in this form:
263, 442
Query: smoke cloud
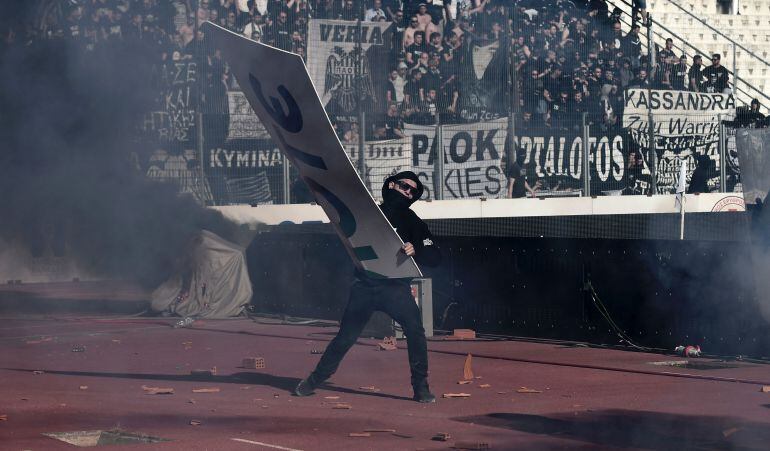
68, 183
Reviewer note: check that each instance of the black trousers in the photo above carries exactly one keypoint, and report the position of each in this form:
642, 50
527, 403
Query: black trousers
393, 297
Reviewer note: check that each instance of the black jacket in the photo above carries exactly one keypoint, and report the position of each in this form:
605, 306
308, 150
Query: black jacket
413, 230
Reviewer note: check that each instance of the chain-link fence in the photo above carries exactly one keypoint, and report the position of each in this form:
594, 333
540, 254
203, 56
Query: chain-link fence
482, 99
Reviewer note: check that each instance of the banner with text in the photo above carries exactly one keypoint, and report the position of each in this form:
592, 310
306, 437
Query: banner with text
685, 125
333, 58
382, 159
472, 158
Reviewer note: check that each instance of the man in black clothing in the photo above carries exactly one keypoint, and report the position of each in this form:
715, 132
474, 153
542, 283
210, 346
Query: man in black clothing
392, 296
717, 77
678, 72
695, 74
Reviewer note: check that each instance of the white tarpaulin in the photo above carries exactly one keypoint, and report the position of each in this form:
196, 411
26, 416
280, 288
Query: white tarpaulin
217, 285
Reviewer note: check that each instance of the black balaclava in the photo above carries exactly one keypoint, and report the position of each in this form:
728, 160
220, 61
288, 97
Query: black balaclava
393, 199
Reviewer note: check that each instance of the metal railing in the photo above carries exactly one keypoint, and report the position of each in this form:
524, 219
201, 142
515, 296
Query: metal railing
738, 82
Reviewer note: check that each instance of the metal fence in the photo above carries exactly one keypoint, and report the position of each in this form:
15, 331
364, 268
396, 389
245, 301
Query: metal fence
518, 101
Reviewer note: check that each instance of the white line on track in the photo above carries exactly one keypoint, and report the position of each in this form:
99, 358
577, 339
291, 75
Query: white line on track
264, 444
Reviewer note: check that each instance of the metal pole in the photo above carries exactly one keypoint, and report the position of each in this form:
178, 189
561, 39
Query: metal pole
286, 180
438, 162
586, 156
360, 97
513, 100
651, 150
722, 157
735, 74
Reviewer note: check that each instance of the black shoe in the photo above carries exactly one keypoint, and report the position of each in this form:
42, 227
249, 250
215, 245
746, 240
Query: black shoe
304, 388
422, 393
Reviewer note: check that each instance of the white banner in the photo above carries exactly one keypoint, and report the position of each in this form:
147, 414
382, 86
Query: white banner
244, 124
382, 159
332, 59
472, 158
685, 124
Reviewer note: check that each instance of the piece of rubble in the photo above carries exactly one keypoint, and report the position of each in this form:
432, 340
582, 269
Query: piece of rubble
4, 417
380, 430
253, 363
371, 388
331, 397
464, 382
206, 390
387, 344
316, 351
42, 340
484, 386
456, 395
342, 406
38, 372
84, 387
468, 368
471, 445
79, 348
441, 437
765, 389
359, 434
196, 422
157, 390
528, 390
462, 334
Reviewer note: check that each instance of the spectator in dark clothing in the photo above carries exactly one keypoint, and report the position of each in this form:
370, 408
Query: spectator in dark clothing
695, 74
679, 74
281, 32
667, 52
641, 80
704, 170
748, 117
394, 126
416, 49
717, 77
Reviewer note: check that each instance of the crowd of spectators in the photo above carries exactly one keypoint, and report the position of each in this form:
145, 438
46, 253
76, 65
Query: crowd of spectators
569, 56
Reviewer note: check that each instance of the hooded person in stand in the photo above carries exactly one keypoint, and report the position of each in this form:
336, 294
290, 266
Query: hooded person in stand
391, 296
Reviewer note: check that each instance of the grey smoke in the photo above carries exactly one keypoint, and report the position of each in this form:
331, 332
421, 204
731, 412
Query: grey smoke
67, 182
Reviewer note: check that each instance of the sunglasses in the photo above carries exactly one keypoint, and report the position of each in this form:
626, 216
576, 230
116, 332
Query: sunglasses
407, 188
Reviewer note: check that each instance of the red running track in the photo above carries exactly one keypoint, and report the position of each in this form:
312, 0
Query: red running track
584, 398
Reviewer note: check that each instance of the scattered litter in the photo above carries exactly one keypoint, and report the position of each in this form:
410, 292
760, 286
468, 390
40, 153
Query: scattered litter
187, 321
471, 445
157, 390
528, 390
42, 340
457, 395
441, 437
196, 422
4, 417
342, 405
84, 387
765, 389
468, 369
38, 372
369, 388
316, 351
253, 363
380, 430
484, 386
388, 344
78, 348
464, 382
688, 351
331, 397
206, 390
359, 434
191, 401
728, 432
502, 393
